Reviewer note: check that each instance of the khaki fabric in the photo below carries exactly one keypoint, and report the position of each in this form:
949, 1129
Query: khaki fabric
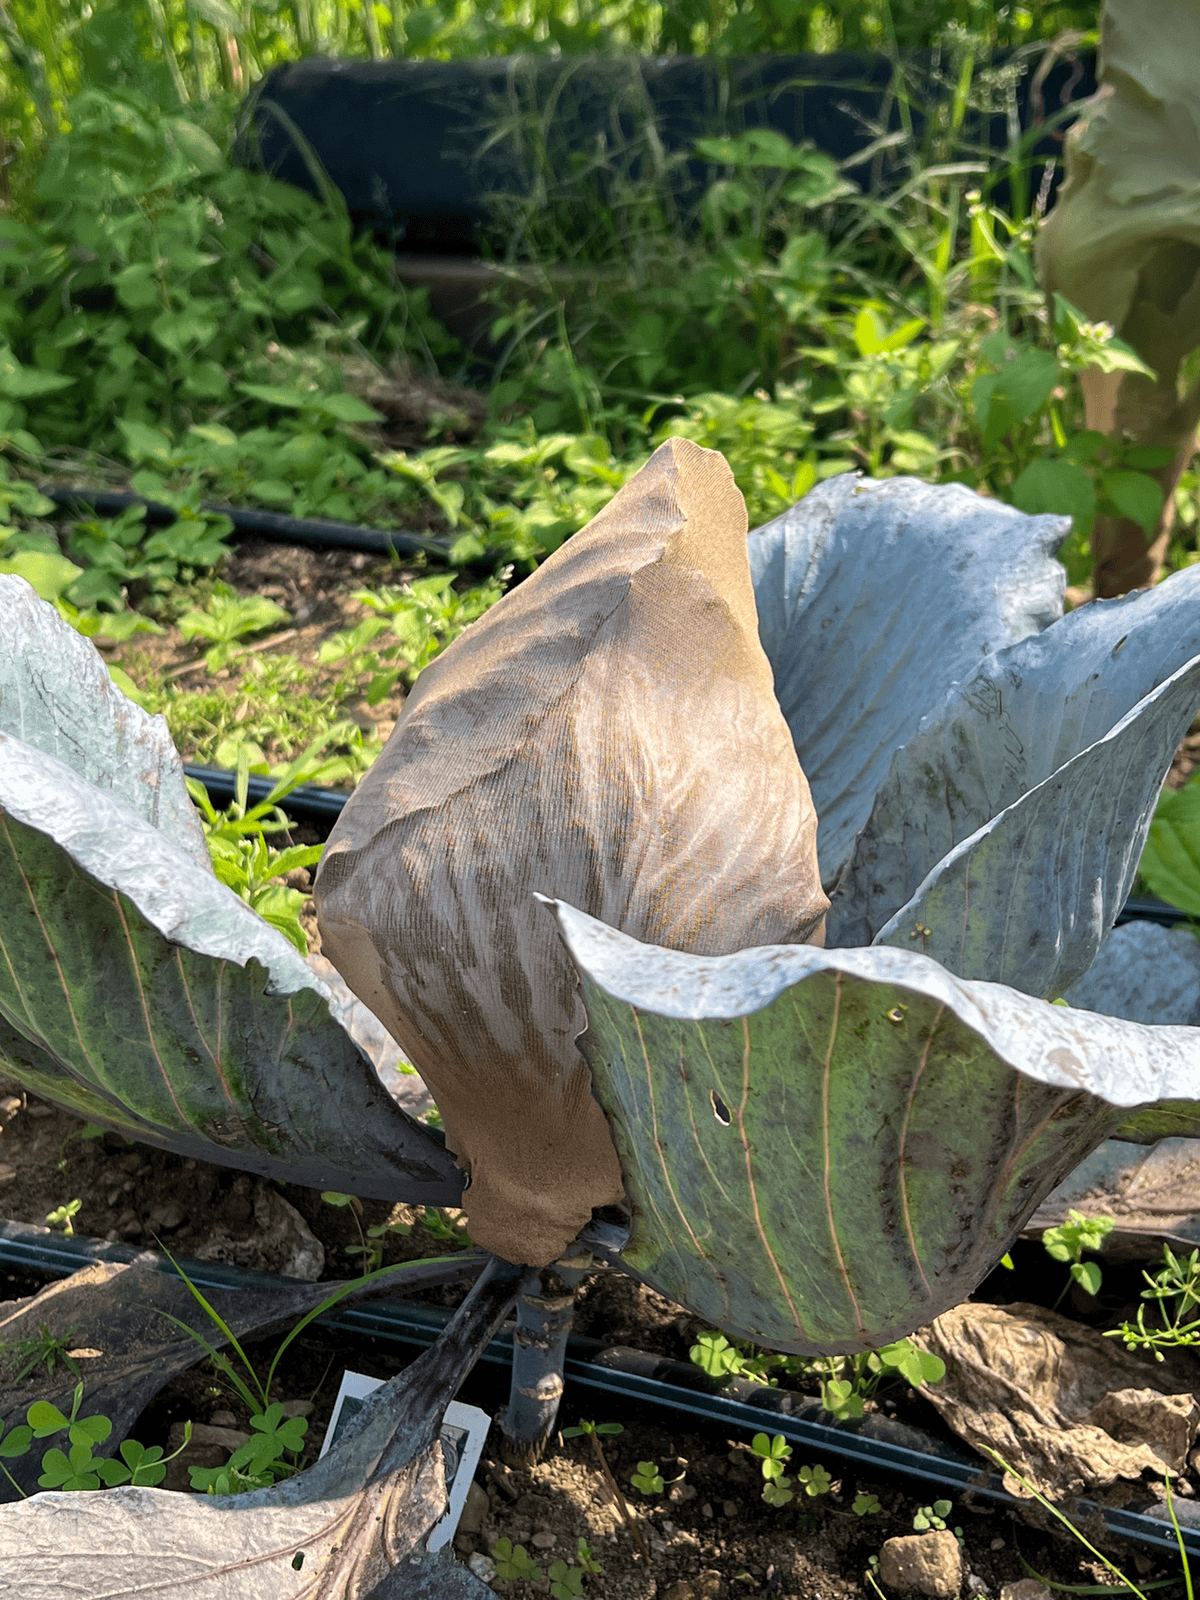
606, 735
1127, 223
1123, 244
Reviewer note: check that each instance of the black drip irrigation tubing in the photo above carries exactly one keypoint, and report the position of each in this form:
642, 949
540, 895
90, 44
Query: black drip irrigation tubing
873, 1445
315, 532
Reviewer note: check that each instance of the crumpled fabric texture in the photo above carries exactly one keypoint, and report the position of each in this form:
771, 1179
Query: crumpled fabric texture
607, 735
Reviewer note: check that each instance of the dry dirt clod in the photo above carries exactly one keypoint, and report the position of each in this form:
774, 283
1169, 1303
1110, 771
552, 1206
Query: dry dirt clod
707, 1585
1024, 1589
930, 1563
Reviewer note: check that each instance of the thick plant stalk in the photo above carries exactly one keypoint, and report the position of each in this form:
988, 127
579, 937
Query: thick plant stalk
544, 1315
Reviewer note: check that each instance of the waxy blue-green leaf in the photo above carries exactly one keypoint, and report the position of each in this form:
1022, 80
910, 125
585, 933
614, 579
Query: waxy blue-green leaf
56, 694
1028, 899
141, 993
1022, 716
873, 599
825, 1148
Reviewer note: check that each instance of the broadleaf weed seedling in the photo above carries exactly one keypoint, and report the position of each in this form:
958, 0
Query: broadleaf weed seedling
1067, 1243
79, 1467
513, 1561
647, 1478
63, 1216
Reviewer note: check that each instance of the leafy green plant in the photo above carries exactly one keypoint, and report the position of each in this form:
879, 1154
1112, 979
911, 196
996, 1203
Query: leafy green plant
814, 1480
1170, 862
514, 1561
78, 1467
273, 1453
866, 1505
370, 1244
1174, 1292
773, 1456
933, 1517
1069, 1241
43, 1349
64, 1216
241, 857
647, 1478
424, 616
227, 618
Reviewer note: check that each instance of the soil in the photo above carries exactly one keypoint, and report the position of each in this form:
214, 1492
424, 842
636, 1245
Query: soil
708, 1532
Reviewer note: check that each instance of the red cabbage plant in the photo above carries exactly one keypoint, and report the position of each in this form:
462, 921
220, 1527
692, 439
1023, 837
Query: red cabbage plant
718, 888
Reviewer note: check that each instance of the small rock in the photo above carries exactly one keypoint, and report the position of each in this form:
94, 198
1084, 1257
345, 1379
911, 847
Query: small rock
997, 1543
465, 1544
483, 1567
475, 1508
9, 1107
930, 1563
7, 1174
114, 1196
709, 1585
168, 1217
229, 1439
543, 1541
679, 1493
975, 1584
730, 1508
706, 1511
1024, 1589
667, 1527
222, 1419
128, 1225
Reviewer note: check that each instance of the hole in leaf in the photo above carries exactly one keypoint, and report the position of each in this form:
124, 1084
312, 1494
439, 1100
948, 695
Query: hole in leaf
720, 1109
896, 1014
297, 1560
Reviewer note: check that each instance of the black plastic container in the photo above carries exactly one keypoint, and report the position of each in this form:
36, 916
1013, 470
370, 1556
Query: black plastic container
420, 150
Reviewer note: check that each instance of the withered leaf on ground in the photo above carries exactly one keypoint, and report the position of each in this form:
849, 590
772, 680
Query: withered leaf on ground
1066, 1407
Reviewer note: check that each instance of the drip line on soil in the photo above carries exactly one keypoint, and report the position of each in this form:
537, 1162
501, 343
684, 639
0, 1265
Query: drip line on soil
873, 1445
316, 532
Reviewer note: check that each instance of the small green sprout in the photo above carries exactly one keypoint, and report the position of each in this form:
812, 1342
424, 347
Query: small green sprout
587, 1561
815, 1480
260, 1461
61, 1216
514, 1561
42, 1349
1068, 1242
933, 1517
647, 1478
566, 1583
866, 1505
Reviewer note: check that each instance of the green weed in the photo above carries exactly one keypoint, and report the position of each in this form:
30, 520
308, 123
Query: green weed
1069, 1241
